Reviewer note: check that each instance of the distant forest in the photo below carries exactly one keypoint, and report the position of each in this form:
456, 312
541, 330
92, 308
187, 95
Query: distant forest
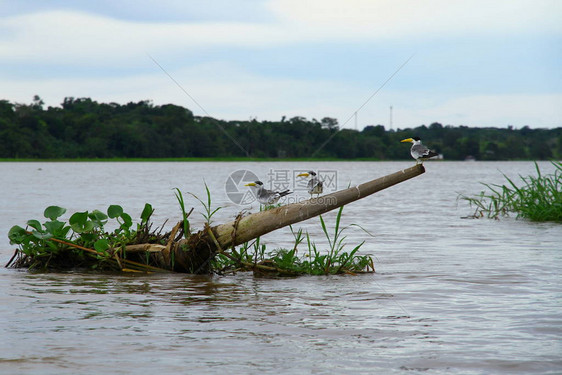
84, 128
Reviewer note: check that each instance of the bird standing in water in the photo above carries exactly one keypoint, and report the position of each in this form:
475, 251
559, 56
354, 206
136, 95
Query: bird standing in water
419, 151
314, 186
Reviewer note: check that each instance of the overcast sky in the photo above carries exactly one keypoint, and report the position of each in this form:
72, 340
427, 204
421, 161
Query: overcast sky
476, 63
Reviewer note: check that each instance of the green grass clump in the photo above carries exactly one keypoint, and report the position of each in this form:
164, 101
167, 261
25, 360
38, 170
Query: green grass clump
538, 198
287, 262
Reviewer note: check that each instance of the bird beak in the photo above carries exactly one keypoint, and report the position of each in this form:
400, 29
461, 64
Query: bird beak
303, 175
251, 184
407, 140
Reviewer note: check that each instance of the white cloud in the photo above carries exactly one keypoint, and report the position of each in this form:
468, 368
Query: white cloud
70, 37
501, 110
413, 109
226, 92
374, 19
222, 90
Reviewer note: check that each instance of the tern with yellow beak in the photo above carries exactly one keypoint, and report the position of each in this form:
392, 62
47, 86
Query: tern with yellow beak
264, 196
314, 186
419, 151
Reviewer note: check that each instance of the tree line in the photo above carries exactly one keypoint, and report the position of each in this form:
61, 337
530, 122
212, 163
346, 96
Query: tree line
84, 128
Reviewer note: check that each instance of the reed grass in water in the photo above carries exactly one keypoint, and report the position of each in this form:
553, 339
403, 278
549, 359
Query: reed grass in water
537, 198
288, 262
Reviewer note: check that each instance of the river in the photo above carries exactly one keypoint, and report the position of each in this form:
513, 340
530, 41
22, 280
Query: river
450, 294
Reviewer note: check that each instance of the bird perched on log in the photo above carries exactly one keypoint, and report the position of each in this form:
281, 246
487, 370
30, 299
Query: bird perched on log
264, 196
419, 151
314, 186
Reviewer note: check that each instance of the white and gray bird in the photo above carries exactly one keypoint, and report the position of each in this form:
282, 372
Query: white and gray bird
314, 186
419, 151
264, 196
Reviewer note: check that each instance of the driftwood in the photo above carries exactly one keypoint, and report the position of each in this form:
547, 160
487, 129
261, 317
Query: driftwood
193, 255
145, 247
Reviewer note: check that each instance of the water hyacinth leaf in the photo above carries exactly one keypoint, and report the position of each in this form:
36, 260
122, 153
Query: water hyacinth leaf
98, 218
64, 231
54, 212
114, 211
35, 224
79, 222
41, 236
78, 218
17, 235
88, 237
146, 212
127, 221
88, 227
54, 227
101, 245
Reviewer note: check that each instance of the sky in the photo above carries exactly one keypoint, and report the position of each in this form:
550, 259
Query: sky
476, 63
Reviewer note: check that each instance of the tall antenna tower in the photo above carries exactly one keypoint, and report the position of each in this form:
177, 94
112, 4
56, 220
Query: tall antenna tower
355, 114
390, 122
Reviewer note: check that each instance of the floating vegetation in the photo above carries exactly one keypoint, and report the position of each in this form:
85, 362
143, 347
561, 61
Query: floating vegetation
538, 198
84, 243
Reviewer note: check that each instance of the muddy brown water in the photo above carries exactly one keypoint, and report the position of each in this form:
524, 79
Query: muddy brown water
450, 295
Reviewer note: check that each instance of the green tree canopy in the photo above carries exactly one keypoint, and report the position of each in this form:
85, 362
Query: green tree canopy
84, 128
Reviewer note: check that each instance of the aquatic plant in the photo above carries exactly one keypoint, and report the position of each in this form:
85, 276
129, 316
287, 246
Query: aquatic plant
184, 214
83, 241
207, 206
538, 198
287, 262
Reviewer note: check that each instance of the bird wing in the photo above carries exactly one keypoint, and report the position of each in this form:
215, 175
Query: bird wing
311, 183
423, 152
284, 192
315, 185
420, 150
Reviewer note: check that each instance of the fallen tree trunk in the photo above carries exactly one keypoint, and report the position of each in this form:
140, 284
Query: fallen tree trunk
194, 254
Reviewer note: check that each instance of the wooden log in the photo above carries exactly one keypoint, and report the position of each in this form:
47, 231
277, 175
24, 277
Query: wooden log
260, 223
194, 254
145, 247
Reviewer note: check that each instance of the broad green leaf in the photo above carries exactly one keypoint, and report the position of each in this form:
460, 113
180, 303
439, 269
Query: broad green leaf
79, 222
35, 224
54, 227
114, 211
98, 218
97, 215
146, 212
41, 236
53, 212
64, 231
88, 238
17, 235
101, 245
78, 218
127, 221
87, 227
